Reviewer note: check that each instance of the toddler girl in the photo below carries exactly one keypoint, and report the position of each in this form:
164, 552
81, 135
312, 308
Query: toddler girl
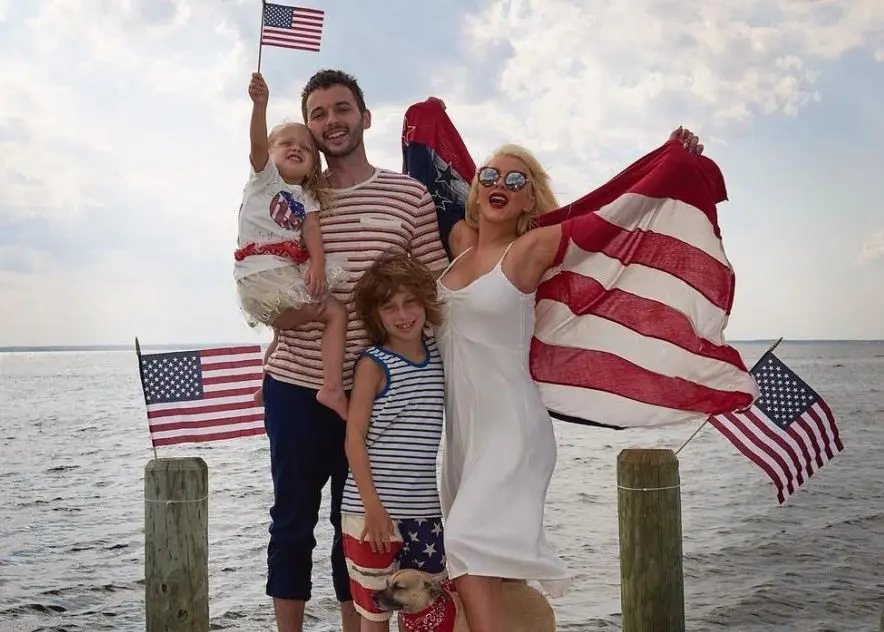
281, 271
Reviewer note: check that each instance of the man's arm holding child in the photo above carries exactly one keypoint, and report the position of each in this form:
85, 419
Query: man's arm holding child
259, 394
368, 380
315, 279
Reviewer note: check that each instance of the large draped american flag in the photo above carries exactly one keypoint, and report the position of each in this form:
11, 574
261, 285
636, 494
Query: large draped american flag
630, 321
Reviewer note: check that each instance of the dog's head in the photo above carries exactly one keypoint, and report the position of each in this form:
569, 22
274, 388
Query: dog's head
408, 590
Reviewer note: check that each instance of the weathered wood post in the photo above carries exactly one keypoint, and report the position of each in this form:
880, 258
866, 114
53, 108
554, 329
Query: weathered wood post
176, 545
649, 508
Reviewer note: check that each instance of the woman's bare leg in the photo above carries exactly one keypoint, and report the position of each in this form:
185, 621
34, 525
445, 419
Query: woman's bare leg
482, 599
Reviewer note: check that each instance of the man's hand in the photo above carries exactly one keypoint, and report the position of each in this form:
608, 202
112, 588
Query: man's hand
314, 279
258, 90
258, 396
688, 139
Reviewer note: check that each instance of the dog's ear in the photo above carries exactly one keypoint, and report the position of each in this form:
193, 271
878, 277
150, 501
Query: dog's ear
433, 587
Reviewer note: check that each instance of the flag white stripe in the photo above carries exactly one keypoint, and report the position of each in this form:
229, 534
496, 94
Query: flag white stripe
194, 416
230, 372
231, 357
785, 458
665, 216
227, 386
612, 409
708, 320
742, 437
202, 403
208, 430
789, 438
800, 432
557, 325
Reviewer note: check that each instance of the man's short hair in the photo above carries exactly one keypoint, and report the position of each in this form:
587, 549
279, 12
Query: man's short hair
325, 79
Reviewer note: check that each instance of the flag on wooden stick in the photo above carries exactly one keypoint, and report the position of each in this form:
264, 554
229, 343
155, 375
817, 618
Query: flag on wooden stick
789, 432
202, 395
292, 27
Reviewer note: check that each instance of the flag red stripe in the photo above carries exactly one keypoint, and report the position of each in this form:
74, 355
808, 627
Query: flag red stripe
808, 459
808, 426
232, 392
232, 364
309, 10
228, 379
228, 351
200, 410
217, 436
584, 295
767, 431
831, 423
737, 442
306, 26
668, 172
824, 434
297, 38
704, 273
606, 372
288, 45
741, 422
226, 421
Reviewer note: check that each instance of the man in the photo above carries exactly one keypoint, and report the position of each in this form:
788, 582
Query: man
374, 210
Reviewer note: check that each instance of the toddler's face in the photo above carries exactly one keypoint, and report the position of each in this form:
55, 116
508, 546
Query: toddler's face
293, 151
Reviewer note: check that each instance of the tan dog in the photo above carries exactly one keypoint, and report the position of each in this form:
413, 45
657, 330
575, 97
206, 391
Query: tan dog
425, 605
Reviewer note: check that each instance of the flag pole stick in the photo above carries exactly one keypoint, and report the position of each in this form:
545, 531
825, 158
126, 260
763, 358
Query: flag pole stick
261, 33
706, 421
138, 355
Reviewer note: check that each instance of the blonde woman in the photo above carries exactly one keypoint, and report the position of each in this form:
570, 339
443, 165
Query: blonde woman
500, 450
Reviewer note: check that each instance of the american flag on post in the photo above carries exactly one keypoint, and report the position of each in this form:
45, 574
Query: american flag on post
789, 432
292, 27
202, 395
630, 322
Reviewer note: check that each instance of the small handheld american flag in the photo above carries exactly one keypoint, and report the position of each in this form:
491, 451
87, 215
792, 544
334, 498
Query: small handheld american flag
202, 395
789, 432
292, 27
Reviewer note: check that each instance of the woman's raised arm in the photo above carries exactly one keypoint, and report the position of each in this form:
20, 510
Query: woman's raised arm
535, 253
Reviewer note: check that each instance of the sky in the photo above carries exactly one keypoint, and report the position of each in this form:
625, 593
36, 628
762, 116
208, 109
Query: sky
124, 140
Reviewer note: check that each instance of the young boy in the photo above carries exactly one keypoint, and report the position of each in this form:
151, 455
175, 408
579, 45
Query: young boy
391, 517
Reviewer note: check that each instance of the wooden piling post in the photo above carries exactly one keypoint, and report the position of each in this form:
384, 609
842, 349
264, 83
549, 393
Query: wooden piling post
176, 545
649, 508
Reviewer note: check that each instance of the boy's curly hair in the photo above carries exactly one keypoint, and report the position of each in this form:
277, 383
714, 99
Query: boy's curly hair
388, 275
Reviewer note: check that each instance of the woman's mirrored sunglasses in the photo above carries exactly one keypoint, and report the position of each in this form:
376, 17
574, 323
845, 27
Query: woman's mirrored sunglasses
514, 180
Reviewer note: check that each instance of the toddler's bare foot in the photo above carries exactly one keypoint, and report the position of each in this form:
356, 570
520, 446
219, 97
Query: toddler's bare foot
333, 398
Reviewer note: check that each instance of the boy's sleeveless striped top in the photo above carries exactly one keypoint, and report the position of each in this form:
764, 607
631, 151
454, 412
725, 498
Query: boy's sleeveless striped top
404, 435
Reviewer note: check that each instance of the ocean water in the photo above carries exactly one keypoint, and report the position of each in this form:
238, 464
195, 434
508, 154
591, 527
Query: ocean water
74, 443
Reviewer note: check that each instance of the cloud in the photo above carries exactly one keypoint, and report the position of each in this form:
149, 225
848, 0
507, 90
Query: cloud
123, 126
599, 81
873, 248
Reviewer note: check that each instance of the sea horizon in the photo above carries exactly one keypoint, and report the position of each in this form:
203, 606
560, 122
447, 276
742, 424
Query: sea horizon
208, 345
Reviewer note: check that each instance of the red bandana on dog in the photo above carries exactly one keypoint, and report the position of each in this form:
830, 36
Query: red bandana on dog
439, 617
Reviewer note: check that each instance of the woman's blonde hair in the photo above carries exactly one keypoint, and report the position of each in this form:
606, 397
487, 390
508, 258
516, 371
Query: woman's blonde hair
538, 179
314, 183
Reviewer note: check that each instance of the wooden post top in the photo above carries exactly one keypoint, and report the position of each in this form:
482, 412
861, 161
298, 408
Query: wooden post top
646, 456
177, 464
645, 469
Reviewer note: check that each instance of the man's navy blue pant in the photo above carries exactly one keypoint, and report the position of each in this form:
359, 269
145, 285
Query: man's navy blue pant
306, 451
